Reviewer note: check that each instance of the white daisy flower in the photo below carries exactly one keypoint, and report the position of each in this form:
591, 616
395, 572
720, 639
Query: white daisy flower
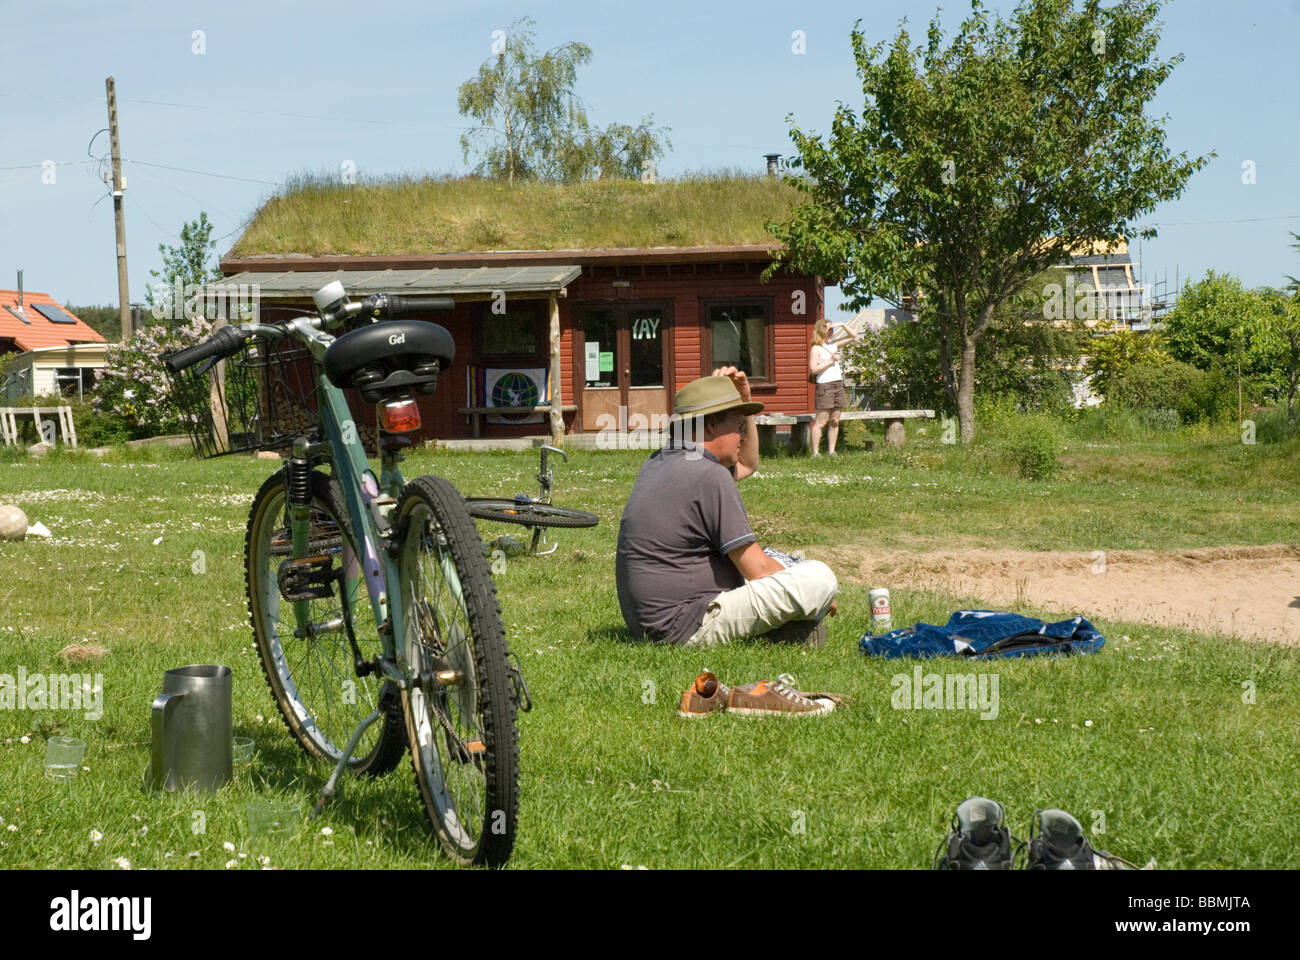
327, 831
228, 847
231, 863
122, 863
96, 836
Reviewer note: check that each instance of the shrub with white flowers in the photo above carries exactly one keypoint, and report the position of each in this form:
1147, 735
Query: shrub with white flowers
135, 386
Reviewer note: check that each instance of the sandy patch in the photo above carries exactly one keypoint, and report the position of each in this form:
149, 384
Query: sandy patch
1247, 592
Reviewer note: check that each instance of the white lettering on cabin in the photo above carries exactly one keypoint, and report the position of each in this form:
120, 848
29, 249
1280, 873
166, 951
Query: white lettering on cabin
645, 328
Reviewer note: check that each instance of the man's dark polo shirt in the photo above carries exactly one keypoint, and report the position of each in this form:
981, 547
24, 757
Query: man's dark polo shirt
682, 518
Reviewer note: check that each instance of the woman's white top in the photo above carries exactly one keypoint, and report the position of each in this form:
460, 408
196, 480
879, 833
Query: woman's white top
833, 372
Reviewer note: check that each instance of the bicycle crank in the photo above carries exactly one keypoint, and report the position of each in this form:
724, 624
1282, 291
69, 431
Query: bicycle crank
307, 578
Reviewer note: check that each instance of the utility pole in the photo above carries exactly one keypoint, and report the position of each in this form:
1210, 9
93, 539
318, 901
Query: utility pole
119, 221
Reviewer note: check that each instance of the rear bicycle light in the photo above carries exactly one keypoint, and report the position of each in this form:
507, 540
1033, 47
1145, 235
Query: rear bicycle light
399, 416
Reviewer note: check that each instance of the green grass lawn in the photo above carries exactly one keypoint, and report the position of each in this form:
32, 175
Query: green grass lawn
1152, 741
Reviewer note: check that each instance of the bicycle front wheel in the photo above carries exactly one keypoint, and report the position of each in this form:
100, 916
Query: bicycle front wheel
460, 708
309, 663
528, 514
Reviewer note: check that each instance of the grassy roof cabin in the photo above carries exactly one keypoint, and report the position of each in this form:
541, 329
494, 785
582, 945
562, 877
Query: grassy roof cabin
590, 303
430, 216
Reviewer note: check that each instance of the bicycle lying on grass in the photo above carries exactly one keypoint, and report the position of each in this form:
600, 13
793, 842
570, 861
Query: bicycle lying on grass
425, 661
536, 513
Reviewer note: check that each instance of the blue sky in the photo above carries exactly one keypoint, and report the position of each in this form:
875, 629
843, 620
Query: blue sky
284, 87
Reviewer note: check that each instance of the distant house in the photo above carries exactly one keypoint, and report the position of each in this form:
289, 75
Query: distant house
602, 299
57, 351
1105, 272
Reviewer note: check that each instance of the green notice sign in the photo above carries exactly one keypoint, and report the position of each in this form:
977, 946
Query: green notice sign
606, 361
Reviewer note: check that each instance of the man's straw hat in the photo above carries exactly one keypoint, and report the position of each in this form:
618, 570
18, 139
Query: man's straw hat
708, 395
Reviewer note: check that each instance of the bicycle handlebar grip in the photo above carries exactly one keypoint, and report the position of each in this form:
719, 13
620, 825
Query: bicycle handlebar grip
226, 342
399, 305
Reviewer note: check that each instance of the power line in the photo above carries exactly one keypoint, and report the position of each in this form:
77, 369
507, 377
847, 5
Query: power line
205, 173
1193, 223
189, 196
200, 106
41, 166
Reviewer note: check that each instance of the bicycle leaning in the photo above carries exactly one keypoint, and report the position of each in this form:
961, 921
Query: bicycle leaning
423, 661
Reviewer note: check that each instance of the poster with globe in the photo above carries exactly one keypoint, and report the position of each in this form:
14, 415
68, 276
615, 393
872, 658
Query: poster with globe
525, 387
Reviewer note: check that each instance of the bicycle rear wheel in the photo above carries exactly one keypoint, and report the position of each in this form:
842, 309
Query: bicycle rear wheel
311, 676
460, 710
528, 514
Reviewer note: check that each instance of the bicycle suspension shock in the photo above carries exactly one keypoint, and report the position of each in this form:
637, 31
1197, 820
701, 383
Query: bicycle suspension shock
297, 481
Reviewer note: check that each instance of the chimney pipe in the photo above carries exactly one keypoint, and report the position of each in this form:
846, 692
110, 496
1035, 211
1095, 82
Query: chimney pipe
20, 291
773, 163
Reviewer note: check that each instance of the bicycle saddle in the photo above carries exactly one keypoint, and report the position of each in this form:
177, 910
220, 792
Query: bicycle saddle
392, 357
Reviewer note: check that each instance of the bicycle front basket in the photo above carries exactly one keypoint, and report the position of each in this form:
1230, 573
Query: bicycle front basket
259, 400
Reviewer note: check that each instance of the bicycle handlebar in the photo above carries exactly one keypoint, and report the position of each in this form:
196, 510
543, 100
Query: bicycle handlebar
388, 306
229, 340
226, 342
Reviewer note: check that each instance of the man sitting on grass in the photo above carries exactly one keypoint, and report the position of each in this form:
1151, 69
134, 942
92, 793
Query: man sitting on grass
689, 568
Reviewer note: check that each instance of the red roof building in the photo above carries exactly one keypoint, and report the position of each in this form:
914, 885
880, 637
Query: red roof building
37, 321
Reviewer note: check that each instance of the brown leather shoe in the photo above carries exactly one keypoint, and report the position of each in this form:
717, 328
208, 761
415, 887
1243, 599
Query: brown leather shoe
768, 698
704, 697
809, 633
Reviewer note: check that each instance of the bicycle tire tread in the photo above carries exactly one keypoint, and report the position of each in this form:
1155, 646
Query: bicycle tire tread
502, 768
504, 510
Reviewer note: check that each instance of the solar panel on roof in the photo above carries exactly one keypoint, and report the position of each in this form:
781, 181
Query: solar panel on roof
52, 313
19, 315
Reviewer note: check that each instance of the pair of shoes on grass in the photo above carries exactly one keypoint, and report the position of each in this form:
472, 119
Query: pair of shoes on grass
980, 840
764, 698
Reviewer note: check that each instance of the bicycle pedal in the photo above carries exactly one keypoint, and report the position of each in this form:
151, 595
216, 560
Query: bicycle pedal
306, 578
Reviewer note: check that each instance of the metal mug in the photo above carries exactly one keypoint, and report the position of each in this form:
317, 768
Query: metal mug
192, 729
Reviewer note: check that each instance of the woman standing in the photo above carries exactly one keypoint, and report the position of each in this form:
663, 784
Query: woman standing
829, 398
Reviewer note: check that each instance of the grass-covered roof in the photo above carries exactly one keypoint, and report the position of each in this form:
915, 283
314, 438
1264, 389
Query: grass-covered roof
445, 215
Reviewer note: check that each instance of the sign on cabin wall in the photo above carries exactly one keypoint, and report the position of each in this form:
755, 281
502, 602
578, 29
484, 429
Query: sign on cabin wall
524, 387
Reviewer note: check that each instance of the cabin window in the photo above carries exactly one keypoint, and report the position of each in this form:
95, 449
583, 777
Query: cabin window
740, 335
512, 335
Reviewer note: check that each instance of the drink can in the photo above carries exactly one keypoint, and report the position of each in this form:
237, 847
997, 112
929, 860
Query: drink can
881, 622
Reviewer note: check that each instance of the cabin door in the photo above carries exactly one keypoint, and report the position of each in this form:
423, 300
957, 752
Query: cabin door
626, 359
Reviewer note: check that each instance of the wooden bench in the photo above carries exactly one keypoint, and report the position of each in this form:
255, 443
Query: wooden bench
800, 425
9, 423
478, 413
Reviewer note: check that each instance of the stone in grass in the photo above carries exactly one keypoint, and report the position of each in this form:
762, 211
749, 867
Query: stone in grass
40, 449
267, 455
13, 523
83, 652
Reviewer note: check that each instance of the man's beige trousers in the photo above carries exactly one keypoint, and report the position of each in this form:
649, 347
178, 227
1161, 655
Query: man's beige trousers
803, 591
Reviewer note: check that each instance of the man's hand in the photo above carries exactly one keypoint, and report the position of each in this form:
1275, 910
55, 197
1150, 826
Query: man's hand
738, 378
747, 460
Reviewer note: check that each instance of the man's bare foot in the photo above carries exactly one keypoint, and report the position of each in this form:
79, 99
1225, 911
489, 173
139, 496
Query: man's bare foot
835, 608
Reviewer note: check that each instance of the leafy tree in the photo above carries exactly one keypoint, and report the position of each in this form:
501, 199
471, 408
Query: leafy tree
187, 264
1029, 361
972, 168
1113, 353
1277, 332
533, 126
105, 319
1210, 323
